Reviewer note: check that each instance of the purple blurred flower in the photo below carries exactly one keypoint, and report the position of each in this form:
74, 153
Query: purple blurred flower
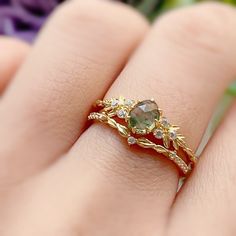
24, 18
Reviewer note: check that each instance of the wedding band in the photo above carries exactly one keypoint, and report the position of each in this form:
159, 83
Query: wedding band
142, 123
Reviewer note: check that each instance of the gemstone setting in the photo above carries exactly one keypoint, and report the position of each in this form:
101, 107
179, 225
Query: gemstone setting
131, 140
121, 113
164, 122
172, 134
143, 117
129, 102
158, 133
114, 103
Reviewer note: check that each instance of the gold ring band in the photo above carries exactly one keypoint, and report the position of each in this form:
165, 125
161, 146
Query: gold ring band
142, 123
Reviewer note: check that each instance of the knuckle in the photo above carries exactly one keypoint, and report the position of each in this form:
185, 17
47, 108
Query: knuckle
203, 26
98, 15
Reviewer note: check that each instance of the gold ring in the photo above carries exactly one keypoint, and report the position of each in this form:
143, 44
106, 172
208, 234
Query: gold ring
142, 123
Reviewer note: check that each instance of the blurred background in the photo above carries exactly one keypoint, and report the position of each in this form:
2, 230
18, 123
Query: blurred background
24, 18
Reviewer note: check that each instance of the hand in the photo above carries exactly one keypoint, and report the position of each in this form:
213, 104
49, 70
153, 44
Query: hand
59, 177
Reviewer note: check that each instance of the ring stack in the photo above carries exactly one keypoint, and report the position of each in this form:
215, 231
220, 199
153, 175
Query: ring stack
142, 123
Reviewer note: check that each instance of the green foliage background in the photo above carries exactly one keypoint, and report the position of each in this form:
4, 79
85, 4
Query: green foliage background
152, 8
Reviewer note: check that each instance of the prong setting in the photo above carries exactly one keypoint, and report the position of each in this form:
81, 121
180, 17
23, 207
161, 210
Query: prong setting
142, 118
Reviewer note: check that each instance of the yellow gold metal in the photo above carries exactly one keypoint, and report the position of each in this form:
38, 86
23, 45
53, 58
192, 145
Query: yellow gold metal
172, 146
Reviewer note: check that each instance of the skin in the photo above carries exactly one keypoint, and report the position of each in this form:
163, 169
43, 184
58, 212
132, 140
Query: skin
13, 53
61, 176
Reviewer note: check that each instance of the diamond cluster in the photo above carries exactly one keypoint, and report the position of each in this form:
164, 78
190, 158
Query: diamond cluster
165, 129
121, 106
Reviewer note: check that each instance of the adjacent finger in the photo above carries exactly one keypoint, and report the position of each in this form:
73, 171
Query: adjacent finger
13, 53
77, 56
128, 191
207, 202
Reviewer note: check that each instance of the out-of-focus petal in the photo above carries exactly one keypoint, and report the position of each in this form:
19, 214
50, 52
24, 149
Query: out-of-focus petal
21, 15
28, 36
47, 6
24, 18
4, 2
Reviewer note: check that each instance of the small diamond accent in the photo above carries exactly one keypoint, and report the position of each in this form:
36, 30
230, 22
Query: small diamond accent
164, 122
172, 134
114, 103
173, 156
128, 102
158, 133
131, 140
121, 113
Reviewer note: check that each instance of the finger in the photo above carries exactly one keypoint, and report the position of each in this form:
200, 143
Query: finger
208, 199
127, 188
13, 53
79, 53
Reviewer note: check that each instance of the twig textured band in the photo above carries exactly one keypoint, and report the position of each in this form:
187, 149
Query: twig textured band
142, 123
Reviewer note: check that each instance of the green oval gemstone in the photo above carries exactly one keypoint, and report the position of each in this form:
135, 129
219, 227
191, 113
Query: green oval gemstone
143, 115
